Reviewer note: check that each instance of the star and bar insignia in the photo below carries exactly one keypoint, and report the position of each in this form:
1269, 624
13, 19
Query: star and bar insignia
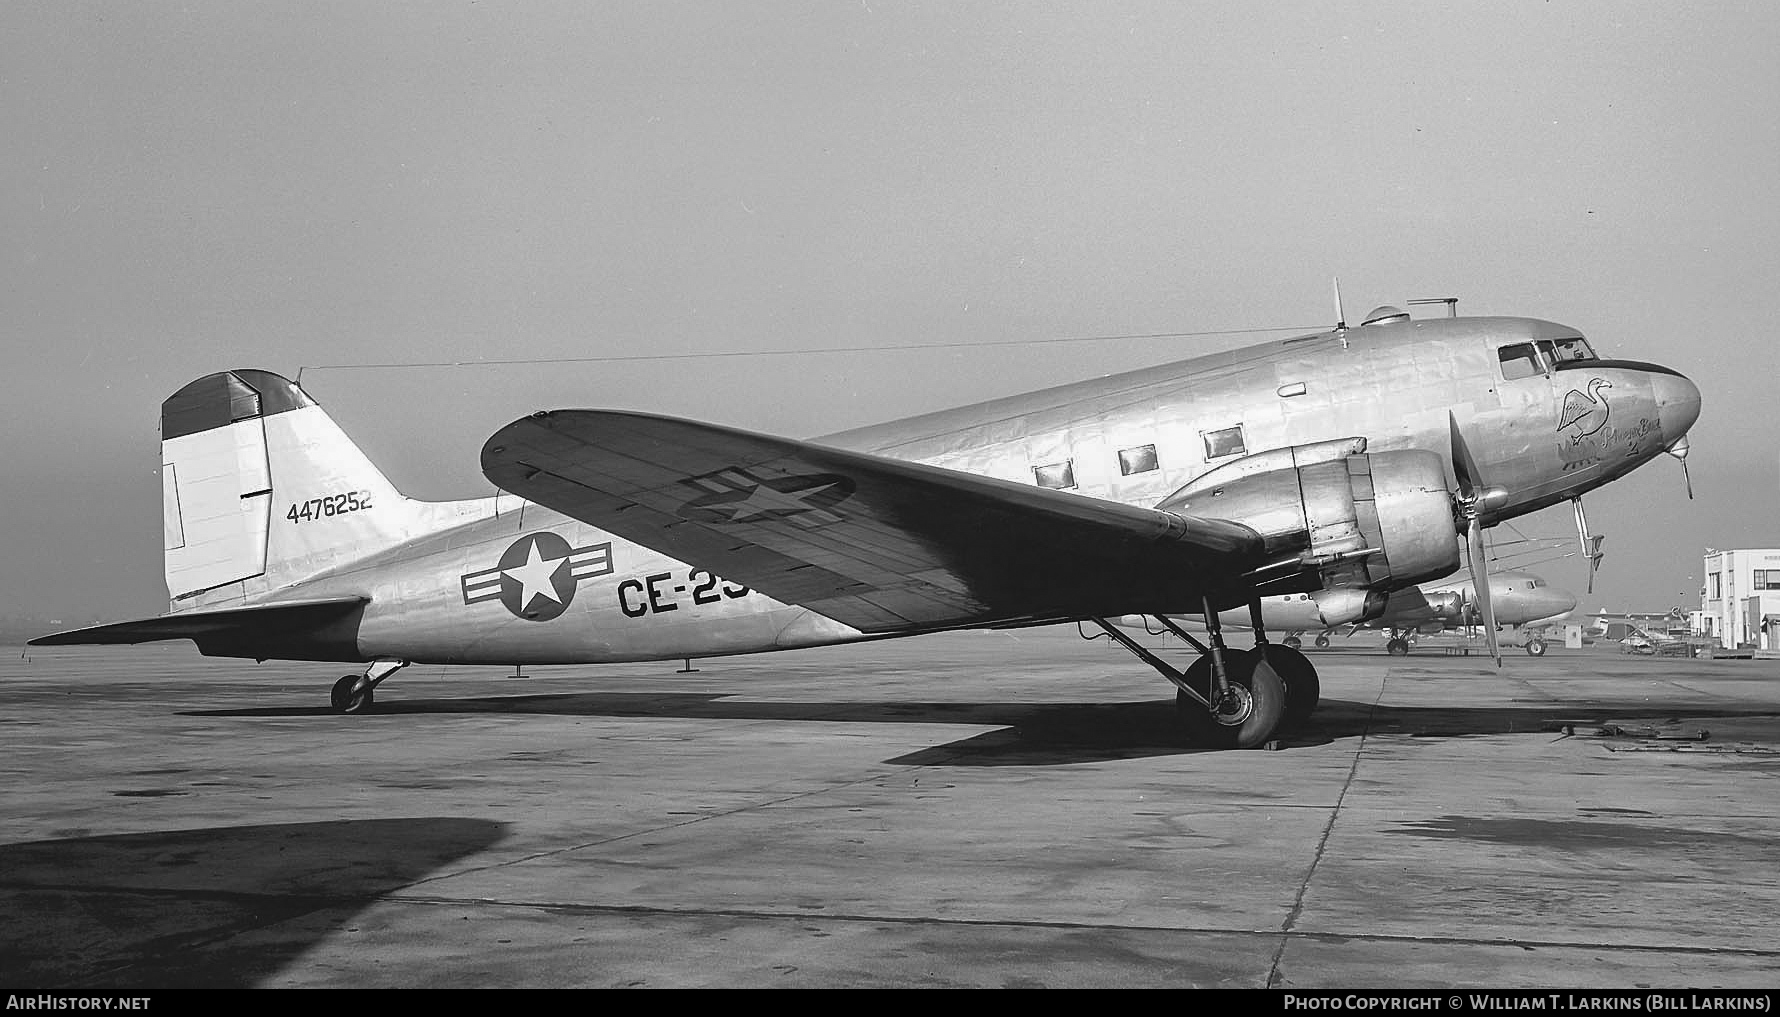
733, 495
538, 575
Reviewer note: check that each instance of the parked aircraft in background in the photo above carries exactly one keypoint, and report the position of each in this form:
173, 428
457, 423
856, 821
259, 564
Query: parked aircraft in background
1519, 598
1344, 466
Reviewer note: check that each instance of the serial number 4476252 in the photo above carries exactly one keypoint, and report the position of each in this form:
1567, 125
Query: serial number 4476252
329, 505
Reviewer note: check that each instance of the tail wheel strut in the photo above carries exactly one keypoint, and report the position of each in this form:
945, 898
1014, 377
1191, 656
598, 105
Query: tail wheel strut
356, 693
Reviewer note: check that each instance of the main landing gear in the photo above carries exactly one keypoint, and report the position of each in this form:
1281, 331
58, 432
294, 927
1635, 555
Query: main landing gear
355, 693
1233, 699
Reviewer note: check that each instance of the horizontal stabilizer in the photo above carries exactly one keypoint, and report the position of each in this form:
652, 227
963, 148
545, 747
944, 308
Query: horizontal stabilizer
876, 543
282, 619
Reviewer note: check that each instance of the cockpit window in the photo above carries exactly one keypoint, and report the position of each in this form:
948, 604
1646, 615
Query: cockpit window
1523, 360
1519, 361
1571, 349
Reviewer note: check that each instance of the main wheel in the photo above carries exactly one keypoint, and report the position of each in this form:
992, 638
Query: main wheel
1247, 717
1535, 647
1303, 689
1293, 641
1397, 647
1322, 642
349, 697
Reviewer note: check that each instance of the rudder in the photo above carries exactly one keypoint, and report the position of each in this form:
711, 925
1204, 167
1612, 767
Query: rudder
261, 489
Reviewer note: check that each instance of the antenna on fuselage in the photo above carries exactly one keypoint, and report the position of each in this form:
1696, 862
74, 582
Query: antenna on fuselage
1452, 304
1340, 315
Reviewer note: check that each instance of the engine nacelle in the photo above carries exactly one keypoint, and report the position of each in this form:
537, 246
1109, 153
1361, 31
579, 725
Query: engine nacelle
1446, 604
1380, 521
1347, 605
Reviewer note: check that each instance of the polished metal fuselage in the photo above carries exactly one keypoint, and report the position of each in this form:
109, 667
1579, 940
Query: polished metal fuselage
1395, 384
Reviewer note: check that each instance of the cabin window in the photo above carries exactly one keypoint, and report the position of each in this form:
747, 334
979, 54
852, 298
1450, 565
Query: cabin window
1296, 388
1227, 442
1519, 361
1057, 476
1141, 459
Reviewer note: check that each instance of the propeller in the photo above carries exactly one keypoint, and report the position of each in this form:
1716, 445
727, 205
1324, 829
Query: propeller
1591, 546
1679, 449
1473, 498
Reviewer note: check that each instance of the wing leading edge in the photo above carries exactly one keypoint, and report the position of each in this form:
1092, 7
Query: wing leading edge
880, 544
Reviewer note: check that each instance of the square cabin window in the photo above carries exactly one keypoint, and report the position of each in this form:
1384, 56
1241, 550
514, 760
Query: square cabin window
1141, 459
1057, 476
1227, 442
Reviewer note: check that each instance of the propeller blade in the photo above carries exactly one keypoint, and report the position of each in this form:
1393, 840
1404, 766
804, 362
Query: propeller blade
1679, 449
1594, 560
1473, 496
1464, 468
1480, 585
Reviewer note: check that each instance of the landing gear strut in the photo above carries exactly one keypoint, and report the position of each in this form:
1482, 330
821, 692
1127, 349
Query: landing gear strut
355, 693
1232, 698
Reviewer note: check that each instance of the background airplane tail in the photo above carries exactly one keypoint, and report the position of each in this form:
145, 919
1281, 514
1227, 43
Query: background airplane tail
261, 489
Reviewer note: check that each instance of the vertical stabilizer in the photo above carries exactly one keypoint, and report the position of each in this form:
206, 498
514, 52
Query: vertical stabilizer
261, 489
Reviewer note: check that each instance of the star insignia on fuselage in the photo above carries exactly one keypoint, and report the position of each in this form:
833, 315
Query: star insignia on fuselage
537, 575
734, 495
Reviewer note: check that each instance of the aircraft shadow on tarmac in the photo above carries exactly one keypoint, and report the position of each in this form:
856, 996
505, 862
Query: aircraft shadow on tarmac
217, 907
1036, 734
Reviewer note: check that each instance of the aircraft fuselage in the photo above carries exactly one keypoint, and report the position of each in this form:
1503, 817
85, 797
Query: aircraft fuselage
508, 581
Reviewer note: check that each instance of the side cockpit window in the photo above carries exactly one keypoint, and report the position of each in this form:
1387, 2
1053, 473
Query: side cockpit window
1571, 349
1519, 361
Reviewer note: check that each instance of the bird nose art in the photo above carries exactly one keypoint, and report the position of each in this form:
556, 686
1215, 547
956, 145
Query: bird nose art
1677, 403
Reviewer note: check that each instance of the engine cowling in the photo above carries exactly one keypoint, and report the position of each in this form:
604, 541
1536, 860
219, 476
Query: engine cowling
1374, 521
1446, 604
1347, 605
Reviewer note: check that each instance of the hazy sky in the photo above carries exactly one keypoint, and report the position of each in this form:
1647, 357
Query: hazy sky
190, 187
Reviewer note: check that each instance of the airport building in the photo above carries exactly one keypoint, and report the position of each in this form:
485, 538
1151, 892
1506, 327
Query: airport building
1740, 599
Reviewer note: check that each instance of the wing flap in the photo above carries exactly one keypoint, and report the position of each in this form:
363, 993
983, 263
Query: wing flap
880, 544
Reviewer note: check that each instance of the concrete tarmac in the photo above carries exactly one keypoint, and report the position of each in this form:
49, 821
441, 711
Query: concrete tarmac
972, 809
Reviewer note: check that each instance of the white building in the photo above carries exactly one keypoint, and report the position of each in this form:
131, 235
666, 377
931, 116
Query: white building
1740, 600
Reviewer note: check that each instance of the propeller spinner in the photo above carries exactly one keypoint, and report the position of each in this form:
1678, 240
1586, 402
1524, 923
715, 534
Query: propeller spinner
1469, 503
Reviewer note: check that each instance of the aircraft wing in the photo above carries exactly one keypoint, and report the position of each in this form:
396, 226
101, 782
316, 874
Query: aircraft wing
281, 617
1404, 608
880, 544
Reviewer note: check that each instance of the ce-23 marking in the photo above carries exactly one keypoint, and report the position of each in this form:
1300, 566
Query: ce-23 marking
652, 595
328, 505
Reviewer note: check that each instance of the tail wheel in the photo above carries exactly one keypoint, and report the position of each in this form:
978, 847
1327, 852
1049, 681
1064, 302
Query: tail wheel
352, 695
1245, 718
1303, 689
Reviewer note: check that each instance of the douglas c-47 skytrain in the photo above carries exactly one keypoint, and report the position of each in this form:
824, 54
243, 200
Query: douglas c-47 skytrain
1345, 465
